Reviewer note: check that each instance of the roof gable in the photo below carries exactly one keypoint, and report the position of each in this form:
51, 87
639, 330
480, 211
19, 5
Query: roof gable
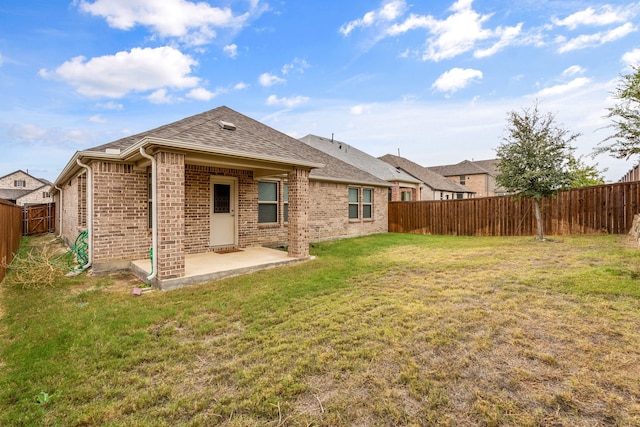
359, 159
432, 179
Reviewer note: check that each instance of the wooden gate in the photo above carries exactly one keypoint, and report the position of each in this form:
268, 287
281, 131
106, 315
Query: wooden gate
39, 219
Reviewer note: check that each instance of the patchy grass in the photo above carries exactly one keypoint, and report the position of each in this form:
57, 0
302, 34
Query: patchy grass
381, 330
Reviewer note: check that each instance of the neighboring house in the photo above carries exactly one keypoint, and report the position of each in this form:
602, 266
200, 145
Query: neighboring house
478, 175
23, 189
211, 182
403, 187
434, 186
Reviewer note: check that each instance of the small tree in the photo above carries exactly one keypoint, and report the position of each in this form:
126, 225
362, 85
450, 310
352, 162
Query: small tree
583, 175
625, 118
534, 157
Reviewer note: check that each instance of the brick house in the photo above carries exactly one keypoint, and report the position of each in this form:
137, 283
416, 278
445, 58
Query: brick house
433, 185
23, 189
477, 175
402, 186
210, 182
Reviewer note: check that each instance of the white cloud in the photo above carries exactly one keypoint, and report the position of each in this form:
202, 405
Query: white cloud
202, 94
192, 23
97, 119
268, 80
287, 102
389, 11
360, 109
564, 88
231, 50
573, 70
110, 105
241, 86
138, 70
607, 15
632, 57
455, 79
298, 65
458, 33
161, 96
1, 60
597, 39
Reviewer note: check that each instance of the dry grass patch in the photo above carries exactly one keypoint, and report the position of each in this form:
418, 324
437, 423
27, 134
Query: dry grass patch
382, 330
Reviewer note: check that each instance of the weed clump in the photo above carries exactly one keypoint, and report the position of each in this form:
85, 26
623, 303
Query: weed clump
33, 266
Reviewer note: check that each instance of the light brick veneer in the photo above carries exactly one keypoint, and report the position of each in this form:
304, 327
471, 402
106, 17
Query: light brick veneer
171, 214
299, 213
120, 230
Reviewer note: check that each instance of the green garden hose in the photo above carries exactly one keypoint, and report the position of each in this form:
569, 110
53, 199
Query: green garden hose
79, 252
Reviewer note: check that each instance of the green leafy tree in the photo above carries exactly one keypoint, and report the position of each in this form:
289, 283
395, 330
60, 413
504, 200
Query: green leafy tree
534, 157
583, 175
625, 117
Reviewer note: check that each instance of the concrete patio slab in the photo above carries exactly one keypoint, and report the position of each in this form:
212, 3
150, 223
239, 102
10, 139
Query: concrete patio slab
206, 267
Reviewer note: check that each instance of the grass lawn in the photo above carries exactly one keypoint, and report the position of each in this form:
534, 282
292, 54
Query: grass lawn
381, 330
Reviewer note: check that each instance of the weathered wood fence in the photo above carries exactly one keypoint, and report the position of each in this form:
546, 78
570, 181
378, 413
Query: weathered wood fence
10, 233
589, 210
39, 219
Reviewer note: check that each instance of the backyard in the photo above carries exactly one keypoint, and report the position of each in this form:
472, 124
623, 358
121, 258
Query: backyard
391, 329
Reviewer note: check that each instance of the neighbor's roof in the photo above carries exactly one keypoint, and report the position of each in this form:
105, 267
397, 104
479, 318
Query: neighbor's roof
432, 179
359, 159
225, 132
20, 172
468, 167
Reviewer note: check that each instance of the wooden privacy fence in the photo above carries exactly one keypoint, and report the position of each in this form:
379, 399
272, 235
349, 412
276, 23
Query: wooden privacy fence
588, 210
10, 233
39, 219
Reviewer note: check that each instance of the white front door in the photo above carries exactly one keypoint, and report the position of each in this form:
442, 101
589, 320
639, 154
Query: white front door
223, 211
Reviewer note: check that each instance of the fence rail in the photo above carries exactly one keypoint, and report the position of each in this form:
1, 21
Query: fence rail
589, 210
10, 233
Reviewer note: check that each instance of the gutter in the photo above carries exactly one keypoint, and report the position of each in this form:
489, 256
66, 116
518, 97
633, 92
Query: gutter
154, 215
89, 213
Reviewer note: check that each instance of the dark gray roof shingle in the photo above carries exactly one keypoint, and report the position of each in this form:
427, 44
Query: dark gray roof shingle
432, 179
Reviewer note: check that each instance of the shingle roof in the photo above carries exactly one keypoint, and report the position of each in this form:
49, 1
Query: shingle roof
432, 179
13, 194
468, 167
250, 137
359, 159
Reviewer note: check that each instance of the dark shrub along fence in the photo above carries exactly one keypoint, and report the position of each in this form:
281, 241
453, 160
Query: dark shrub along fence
10, 233
589, 210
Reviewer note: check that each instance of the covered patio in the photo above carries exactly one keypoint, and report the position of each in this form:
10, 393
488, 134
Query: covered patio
210, 266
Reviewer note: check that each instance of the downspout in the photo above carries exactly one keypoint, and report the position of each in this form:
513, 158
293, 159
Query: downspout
89, 213
154, 215
61, 207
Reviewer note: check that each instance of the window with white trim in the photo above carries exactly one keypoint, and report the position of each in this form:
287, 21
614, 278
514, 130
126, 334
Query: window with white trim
367, 203
19, 183
354, 203
267, 202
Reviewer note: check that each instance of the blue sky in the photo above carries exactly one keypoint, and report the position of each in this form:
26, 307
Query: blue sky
432, 80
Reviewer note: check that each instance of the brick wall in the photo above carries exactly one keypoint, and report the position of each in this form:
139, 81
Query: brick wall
298, 235
8, 182
68, 210
329, 212
120, 221
171, 214
36, 197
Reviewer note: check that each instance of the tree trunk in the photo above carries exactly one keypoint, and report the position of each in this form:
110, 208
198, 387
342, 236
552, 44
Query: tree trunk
536, 205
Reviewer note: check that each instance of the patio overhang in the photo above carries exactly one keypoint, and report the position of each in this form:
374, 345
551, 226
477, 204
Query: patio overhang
195, 153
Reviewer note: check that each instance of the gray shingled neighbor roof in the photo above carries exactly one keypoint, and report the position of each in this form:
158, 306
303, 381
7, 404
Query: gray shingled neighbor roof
432, 179
468, 167
359, 159
249, 138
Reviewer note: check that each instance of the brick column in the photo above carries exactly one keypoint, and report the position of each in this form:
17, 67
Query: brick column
170, 202
299, 213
